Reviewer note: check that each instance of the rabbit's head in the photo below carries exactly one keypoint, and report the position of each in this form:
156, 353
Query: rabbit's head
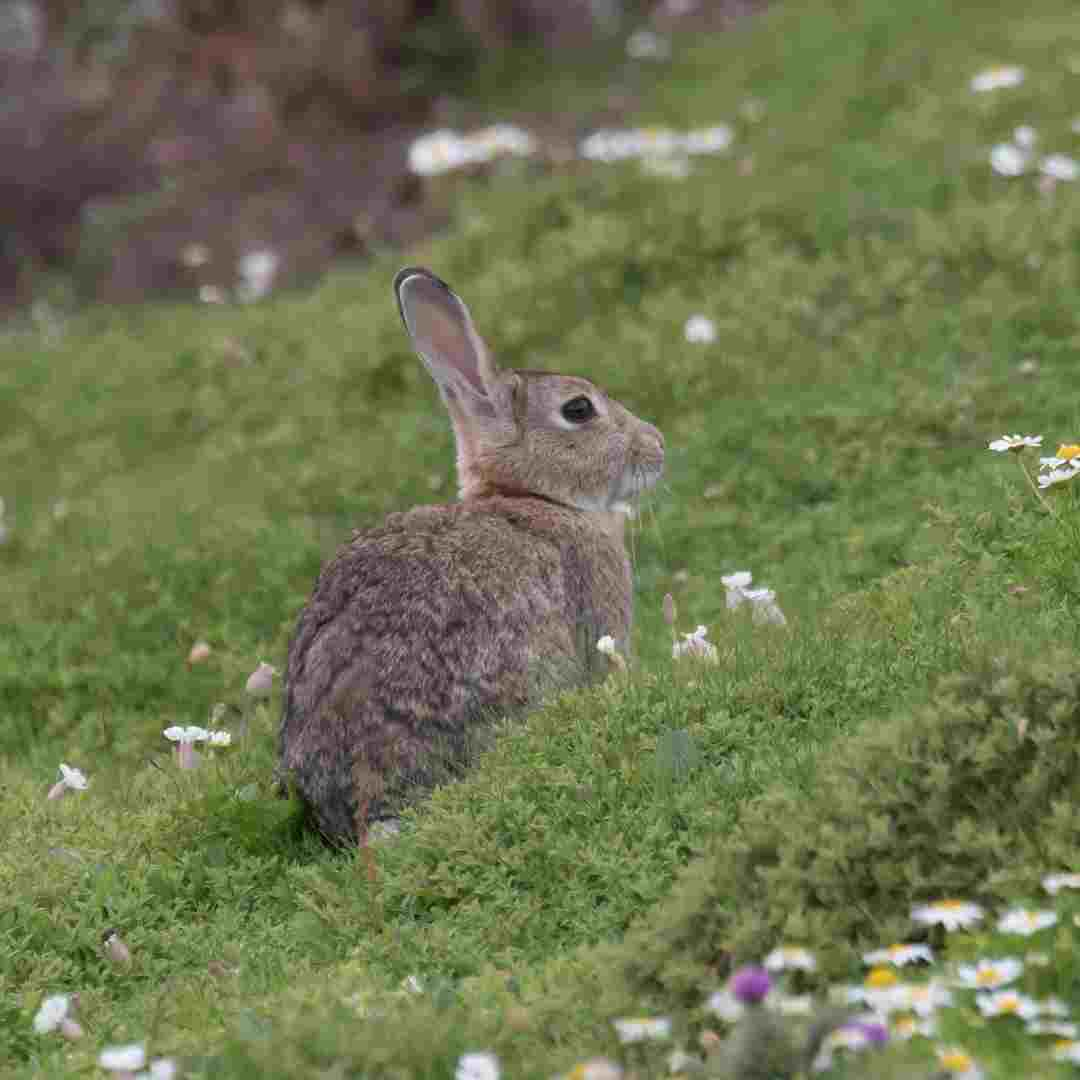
525, 432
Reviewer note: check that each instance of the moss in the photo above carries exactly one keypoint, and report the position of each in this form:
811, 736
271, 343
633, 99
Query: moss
974, 794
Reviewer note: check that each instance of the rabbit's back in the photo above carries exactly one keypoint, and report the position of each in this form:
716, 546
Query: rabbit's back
422, 628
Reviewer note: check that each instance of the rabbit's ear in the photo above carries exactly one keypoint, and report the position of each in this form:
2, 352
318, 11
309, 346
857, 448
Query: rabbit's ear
443, 334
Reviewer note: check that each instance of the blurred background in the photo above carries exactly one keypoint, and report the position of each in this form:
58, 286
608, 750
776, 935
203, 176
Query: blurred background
214, 149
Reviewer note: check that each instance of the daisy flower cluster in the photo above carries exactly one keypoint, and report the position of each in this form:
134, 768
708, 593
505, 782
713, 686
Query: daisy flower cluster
907, 990
438, 152
1020, 154
1056, 473
443, 151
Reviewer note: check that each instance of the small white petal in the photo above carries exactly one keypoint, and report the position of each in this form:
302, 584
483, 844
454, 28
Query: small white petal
1009, 160
1060, 167
52, 1012
739, 580
73, 778
997, 78
700, 330
477, 1067
123, 1058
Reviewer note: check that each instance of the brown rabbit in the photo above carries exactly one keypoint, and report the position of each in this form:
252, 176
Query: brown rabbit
444, 617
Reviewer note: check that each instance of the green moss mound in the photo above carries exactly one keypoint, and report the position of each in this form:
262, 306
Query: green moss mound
975, 795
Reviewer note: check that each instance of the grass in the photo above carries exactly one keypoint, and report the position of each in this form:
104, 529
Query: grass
173, 474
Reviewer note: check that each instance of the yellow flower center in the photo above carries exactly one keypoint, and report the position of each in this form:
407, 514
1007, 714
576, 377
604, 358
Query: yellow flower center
956, 1061
1067, 451
1008, 1004
951, 905
985, 976
881, 977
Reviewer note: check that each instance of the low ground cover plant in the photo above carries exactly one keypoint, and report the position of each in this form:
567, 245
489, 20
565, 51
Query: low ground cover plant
880, 305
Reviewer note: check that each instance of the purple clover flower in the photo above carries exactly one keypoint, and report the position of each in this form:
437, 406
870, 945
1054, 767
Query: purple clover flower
750, 984
874, 1034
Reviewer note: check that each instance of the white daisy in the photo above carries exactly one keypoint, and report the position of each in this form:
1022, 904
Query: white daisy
989, 974
907, 1027
695, 645
1026, 921
128, 1058
700, 330
1025, 136
1059, 476
1001, 77
790, 958
647, 45
1009, 160
1055, 1027
1054, 883
642, 1029
1014, 442
900, 955
1007, 1003
924, 999
737, 581
959, 1064
952, 914
726, 1005
1068, 1050
52, 1011
190, 734
477, 1066
1060, 167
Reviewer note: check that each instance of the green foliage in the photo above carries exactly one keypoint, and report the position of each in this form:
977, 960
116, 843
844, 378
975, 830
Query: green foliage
174, 474
974, 794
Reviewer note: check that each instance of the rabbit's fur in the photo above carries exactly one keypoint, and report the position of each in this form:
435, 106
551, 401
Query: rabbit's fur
420, 630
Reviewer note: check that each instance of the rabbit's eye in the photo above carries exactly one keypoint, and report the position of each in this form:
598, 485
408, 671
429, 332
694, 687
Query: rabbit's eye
578, 410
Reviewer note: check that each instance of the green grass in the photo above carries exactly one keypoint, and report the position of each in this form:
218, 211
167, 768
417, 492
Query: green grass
876, 290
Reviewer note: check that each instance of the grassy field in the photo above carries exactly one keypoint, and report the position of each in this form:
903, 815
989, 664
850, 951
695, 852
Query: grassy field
885, 305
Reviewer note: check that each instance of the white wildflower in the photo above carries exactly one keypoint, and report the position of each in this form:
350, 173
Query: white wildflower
790, 958
1059, 476
642, 1029
52, 1012
1060, 167
695, 645
477, 1066
1014, 442
257, 270
1025, 921
899, 955
220, 738
647, 45
1002, 77
952, 914
128, 1058
725, 1004
1054, 883
1009, 160
1007, 1003
1025, 136
71, 779
700, 330
1068, 1050
1055, 1027
989, 974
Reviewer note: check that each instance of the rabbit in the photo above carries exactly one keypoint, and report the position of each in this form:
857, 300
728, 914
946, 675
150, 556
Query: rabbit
422, 630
